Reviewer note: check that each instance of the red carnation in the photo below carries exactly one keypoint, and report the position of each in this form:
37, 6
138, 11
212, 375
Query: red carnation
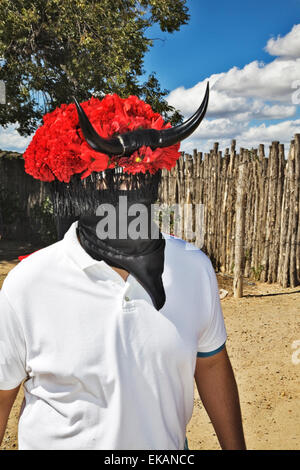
59, 150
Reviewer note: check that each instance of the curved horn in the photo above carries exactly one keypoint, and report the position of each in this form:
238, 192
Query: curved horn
128, 142
109, 146
182, 131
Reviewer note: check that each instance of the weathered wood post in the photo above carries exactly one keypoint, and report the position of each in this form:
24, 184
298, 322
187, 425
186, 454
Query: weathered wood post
240, 226
231, 175
272, 245
297, 204
189, 195
294, 209
287, 217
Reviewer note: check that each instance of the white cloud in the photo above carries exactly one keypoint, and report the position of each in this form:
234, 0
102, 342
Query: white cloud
271, 81
223, 127
257, 92
223, 132
221, 104
10, 139
277, 112
246, 90
286, 46
282, 131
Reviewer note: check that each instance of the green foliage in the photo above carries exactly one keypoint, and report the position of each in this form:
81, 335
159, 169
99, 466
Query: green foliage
247, 254
257, 271
10, 155
53, 49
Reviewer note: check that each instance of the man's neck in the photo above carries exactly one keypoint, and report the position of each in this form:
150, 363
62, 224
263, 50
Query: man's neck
123, 273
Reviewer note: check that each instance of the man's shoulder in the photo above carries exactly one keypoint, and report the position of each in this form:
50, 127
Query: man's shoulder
32, 268
185, 255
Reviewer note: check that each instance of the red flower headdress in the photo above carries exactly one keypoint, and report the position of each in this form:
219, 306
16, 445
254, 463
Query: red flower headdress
59, 150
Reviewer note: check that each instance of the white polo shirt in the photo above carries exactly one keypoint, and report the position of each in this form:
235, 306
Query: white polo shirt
104, 369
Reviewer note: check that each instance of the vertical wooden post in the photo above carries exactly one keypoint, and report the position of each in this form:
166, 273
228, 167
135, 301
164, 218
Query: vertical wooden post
181, 190
254, 241
224, 211
297, 206
240, 228
287, 217
272, 214
261, 221
279, 201
231, 201
294, 214
189, 195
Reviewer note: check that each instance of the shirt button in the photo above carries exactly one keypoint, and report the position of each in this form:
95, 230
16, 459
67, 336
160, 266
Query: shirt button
127, 298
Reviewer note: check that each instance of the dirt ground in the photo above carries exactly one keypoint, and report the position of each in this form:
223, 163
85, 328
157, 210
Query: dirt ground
262, 328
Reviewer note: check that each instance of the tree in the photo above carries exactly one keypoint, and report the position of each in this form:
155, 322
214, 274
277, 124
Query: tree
51, 50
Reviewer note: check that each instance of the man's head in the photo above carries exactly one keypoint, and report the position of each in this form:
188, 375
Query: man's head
90, 197
93, 152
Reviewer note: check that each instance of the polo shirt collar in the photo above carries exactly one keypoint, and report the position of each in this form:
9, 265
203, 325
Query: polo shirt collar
80, 257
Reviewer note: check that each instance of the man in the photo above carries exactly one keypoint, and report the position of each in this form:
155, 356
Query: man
110, 332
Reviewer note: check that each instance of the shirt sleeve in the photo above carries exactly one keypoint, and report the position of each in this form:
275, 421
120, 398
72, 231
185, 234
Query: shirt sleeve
212, 339
12, 347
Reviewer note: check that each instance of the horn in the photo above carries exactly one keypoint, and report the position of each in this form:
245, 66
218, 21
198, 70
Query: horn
128, 142
109, 146
182, 131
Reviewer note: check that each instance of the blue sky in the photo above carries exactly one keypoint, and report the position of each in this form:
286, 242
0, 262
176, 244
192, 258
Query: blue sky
249, 52
221, 34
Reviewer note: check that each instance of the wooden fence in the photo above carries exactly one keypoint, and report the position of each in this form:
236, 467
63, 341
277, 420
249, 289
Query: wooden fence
22, 202
271, 207
266, 235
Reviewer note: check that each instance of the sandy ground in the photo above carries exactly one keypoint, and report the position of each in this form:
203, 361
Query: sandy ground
262, 329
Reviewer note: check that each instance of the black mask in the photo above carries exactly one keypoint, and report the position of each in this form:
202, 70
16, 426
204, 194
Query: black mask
141, 257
